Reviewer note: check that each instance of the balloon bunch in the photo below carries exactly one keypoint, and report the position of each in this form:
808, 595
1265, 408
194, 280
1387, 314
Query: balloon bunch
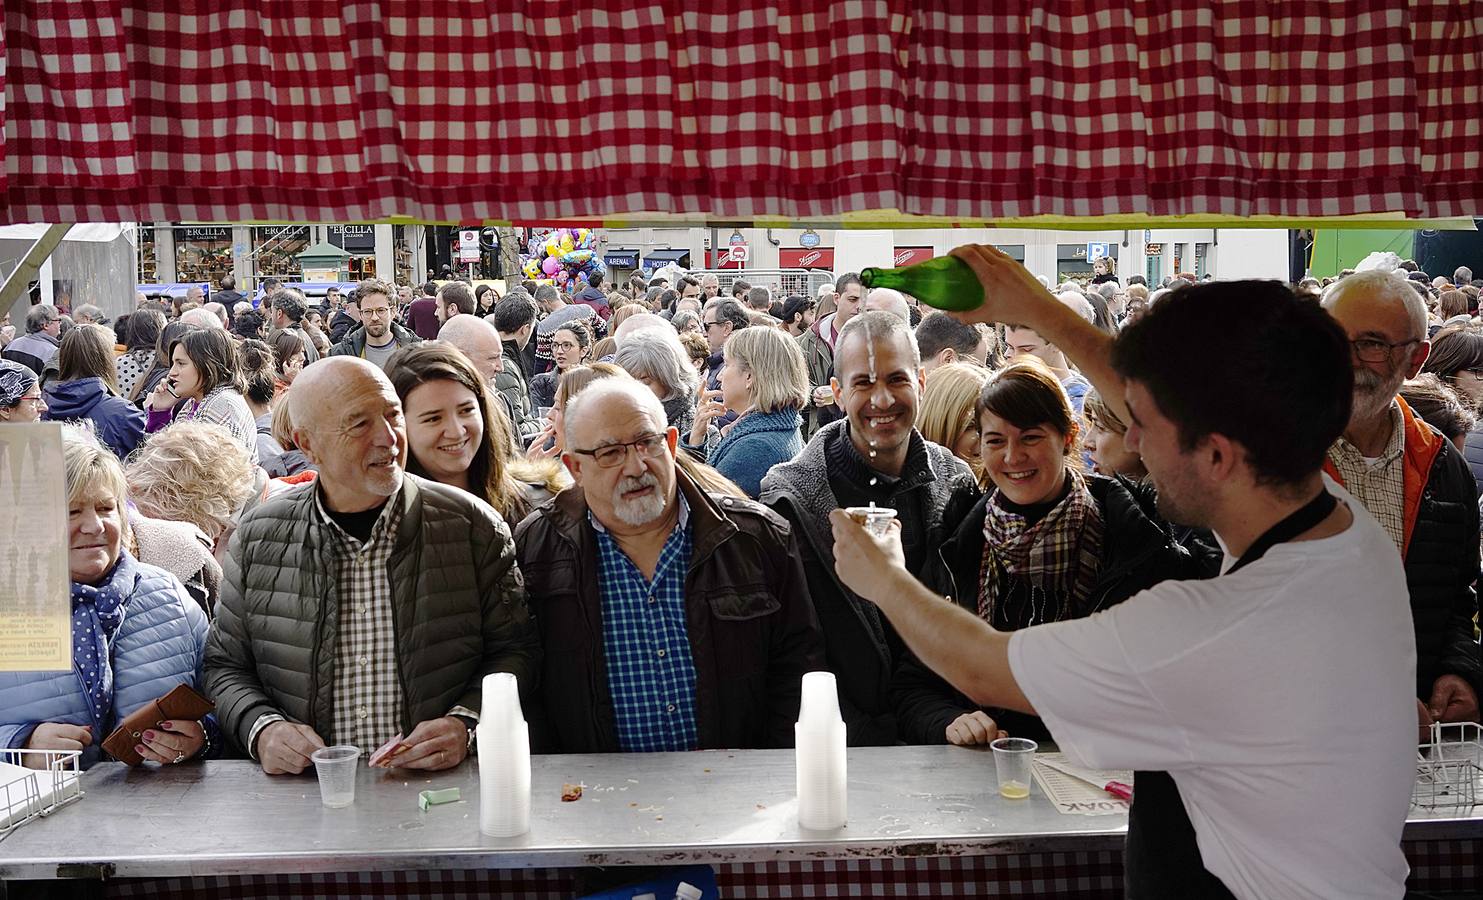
567, 256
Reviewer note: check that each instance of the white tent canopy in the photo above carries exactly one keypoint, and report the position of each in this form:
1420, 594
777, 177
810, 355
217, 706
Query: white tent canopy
95, 264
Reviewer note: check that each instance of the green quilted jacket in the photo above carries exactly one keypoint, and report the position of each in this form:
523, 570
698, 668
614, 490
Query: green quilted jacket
459, 609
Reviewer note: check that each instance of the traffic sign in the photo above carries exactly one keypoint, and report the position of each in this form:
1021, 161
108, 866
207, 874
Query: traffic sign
739, 253
1098, 251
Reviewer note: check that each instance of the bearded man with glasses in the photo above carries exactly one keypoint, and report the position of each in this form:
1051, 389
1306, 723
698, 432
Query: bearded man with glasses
1416, 484
378, 336
672, 618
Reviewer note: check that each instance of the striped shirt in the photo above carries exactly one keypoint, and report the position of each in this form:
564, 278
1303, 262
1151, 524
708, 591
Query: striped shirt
651, 673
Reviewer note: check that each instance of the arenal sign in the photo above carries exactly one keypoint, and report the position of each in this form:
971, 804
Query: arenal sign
907, 256
806, 258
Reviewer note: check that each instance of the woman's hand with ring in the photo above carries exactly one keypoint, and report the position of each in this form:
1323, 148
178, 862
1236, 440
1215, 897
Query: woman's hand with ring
169, 743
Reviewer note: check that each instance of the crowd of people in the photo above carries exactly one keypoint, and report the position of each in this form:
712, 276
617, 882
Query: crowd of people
335, 520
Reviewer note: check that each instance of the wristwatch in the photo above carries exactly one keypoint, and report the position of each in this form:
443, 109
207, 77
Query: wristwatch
469, 724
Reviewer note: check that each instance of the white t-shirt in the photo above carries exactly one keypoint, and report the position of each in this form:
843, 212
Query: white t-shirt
1279, 698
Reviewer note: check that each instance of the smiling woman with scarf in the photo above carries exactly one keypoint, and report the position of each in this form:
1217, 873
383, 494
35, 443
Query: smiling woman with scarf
136, 634
1047, 543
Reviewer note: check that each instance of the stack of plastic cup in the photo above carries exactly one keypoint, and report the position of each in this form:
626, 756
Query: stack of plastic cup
819, 742
503, 740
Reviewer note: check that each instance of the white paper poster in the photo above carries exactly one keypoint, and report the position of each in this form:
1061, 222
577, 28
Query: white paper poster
35, 604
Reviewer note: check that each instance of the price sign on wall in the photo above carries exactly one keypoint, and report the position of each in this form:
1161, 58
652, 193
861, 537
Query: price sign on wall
468, 246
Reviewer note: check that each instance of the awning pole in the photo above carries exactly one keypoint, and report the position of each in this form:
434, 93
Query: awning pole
15, 287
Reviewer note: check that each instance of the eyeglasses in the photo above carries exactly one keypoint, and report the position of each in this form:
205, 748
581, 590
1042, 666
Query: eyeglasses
650, 446
710, 325
33, 399
1475, 372
1373, 351
376, 311
564, 345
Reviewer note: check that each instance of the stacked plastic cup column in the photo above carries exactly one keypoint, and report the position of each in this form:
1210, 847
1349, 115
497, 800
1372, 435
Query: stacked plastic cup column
820, 750
504, 759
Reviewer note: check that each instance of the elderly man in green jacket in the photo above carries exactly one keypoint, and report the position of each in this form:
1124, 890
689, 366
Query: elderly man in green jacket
368, 605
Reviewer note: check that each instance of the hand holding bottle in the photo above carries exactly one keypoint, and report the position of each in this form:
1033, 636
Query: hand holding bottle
1011, 293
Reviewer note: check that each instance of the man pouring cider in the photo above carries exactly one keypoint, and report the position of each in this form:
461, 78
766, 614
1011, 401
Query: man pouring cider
1269, 711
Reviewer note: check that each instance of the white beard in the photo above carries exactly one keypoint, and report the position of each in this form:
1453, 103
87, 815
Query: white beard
643, 510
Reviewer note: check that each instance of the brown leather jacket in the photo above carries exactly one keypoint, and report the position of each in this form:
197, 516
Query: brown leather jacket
752, 629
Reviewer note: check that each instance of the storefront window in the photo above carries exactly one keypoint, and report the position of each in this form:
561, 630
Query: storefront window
203, 253
1071, 262
275, 250
1154, 271
146, 263
360, 242
402, 252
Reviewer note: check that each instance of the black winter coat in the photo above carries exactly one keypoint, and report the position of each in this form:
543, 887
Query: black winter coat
1473, 453
861, 658
752, 630
1441, 567
1138, 552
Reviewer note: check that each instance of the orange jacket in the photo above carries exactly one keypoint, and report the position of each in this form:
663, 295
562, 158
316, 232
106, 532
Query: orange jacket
1423, 443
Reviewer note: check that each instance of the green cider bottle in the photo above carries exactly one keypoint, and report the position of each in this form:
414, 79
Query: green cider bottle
944, 282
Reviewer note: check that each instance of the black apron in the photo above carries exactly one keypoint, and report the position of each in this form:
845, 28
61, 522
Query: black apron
1161, 859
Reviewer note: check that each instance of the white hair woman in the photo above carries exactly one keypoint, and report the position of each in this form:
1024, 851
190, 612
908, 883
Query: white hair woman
763, 379
136, 634
656, 357
195, 472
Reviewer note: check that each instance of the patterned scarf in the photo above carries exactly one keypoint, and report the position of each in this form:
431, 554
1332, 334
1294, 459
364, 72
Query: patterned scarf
97, 612
1059, 556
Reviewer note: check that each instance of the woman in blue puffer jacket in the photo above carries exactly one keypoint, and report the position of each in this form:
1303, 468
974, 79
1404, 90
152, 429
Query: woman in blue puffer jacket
136, 635
86, 390
763, 378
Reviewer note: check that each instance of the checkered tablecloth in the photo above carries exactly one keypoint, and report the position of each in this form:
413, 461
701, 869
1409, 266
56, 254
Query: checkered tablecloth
341, 110
1435, 866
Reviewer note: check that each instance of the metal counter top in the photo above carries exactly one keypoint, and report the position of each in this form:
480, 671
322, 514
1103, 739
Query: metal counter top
227, 817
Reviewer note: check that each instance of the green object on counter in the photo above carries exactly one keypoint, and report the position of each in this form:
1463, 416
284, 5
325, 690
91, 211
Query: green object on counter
945, 282
433, 798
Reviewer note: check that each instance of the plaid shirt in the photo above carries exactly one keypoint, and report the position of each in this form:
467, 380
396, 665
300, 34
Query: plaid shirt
367, 691
651, 674
1379, 485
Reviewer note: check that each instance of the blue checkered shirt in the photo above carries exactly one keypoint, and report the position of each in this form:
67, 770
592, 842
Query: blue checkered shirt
651, 674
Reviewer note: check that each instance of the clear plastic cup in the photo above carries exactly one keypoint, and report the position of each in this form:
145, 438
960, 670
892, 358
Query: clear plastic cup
336, 768
1014, 760
876, 519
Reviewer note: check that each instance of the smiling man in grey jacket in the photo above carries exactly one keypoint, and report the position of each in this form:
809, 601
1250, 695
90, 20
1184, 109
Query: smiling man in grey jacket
369, 604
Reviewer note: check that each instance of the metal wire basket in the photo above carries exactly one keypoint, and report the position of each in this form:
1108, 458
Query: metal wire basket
53, 780
1449, 767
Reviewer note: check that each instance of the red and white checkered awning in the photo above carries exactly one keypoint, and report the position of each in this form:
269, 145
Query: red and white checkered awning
464, 110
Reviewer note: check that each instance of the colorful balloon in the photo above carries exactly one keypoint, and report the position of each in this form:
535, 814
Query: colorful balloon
550, 266
576, 257
562, 277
